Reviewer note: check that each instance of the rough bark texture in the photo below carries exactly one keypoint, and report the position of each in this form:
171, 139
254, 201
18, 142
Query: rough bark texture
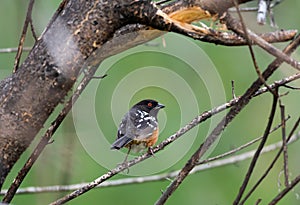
76, 33
29, 96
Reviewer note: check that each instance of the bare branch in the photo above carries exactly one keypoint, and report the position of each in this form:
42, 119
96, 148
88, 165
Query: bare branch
233, 89
257, 152
34, 35
161, 177
284, 146
272, 163
278, 83
285, 191
23, 36
239, 148
294, 182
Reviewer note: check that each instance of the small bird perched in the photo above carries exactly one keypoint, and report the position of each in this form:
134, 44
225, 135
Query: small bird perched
139, 127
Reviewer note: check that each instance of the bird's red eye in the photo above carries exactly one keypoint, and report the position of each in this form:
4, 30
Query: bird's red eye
149, 104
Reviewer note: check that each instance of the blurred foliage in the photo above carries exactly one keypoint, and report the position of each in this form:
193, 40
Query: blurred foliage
69, 160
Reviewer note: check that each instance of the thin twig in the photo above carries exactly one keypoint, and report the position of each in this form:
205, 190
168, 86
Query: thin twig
289, 139
291, 87
232, 90
23, 36
271, 16
258, 201
258, 72
162, 2
11, 50
257, 153
46, 138
241, 147
32, 30
285, 191
284, 146
279, 83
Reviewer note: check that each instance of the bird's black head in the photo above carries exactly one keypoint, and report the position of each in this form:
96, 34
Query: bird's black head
149, 106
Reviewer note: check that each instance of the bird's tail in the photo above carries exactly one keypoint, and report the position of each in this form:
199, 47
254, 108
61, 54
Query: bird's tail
121, 142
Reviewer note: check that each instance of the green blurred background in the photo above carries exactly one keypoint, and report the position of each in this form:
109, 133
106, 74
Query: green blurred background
80, 152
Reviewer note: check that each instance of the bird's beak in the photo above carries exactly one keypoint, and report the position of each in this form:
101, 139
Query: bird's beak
160, 106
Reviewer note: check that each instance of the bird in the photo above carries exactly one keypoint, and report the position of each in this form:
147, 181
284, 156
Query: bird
139, 128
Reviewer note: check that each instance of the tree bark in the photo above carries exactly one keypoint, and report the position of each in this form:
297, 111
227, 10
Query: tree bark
81, 33
30, 95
